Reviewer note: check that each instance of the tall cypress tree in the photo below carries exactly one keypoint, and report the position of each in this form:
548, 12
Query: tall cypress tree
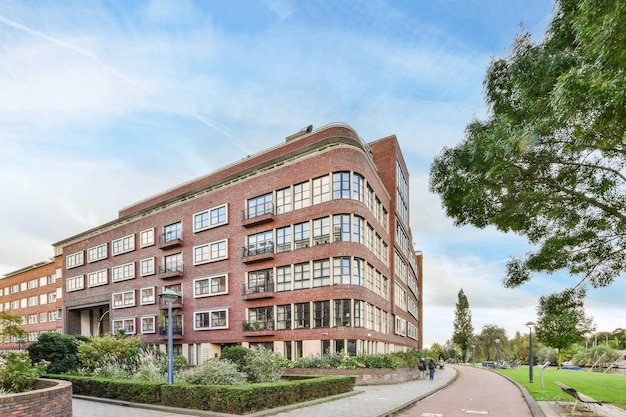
463, 329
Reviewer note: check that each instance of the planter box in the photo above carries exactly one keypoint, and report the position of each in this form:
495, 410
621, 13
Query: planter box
49, 398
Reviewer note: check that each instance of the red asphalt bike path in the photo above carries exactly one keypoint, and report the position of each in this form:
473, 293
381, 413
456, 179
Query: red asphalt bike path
475, 392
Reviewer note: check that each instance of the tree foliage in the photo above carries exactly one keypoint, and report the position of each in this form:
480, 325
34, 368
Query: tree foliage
10, 325
548, 163
463, 331
59, 350
561, 319
486, 346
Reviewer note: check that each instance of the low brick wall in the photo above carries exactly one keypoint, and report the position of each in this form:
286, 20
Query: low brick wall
363, 376
50, 398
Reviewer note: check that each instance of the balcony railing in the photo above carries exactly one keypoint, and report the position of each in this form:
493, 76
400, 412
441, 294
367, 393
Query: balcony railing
171, 270
258, 252
266, 289
258, 214
176, 331
170, 239
258, 325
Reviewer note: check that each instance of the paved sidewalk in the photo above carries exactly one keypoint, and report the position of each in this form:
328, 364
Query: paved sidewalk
457, 390
365, 401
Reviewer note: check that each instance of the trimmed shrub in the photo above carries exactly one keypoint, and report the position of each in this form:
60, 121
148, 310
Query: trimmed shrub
213, 372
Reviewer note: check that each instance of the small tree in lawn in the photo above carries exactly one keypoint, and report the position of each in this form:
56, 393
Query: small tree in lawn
561, 320
463, 329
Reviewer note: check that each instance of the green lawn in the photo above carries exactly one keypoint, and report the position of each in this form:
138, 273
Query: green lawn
608, 388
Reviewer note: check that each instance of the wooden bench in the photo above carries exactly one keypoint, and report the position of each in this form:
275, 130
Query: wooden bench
578, 396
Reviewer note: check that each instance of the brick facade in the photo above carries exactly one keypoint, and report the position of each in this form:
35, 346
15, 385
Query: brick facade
240, 280
35, 294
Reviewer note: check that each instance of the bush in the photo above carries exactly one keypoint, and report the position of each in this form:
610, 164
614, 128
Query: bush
235, 354
120, 347
58, 350
213, 372
19, 374
263, 365
597, 354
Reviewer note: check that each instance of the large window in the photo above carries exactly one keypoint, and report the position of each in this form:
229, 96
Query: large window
283, 317
173, 263
261, 318
75, 259
97, 278
301, 276
75, 283
302, 315
358, 271
123, 272
301, 195
213, 217
341, 228
341, 185
208, 286
321, 313
147, 267
123, 299
321, 272
321, 189
283, 239
358, 224
127, 324
210, 252
146, 237
261, 243
359, 313
343, 309
283, 200
97, 253
321, 231
211, 319
260, 281
358, 183
123, 245
341, 270
173, 231
148, 324
301, 235
261, 205
283, 278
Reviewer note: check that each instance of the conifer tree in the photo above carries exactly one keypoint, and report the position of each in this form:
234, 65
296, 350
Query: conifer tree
463, 329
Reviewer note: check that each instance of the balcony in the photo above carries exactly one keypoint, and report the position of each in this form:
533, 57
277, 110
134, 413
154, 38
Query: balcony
258, 215
259, 252
170, 240
255, 292
177, 332
259, 328
171, 271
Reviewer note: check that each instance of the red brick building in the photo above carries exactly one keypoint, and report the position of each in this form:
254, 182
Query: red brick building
303, 248
35, 294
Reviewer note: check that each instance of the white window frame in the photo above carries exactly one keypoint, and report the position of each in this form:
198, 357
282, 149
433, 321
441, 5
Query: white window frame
125, 302
206, 254
75, 259
209, 213
97, 278
150, 269
122, 245
141, 295
75, 283
210, 286
210, 327
146, 238
148, 318
97, 253
122, 322
126, 270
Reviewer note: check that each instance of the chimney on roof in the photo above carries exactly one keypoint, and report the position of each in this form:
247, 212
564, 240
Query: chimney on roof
302, 132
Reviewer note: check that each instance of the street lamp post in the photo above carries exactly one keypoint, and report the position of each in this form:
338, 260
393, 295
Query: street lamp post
19, 344
530, 326
497, 353
169, 297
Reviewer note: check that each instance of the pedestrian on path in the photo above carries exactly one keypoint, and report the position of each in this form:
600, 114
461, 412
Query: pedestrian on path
422, 368
431, 368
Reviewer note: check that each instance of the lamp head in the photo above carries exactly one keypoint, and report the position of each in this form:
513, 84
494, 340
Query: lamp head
169, 296
530, 325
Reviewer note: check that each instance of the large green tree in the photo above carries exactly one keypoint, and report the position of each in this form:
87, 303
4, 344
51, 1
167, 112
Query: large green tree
561, 320
549, 161
10, 325
463, 331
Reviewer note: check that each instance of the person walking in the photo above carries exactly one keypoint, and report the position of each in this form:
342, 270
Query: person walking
422, 368
431, 369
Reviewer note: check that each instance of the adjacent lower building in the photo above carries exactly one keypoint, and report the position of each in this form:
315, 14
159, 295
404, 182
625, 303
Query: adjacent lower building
35, 294
303, 248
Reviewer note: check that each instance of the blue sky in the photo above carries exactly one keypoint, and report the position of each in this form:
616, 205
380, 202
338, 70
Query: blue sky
105, 103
